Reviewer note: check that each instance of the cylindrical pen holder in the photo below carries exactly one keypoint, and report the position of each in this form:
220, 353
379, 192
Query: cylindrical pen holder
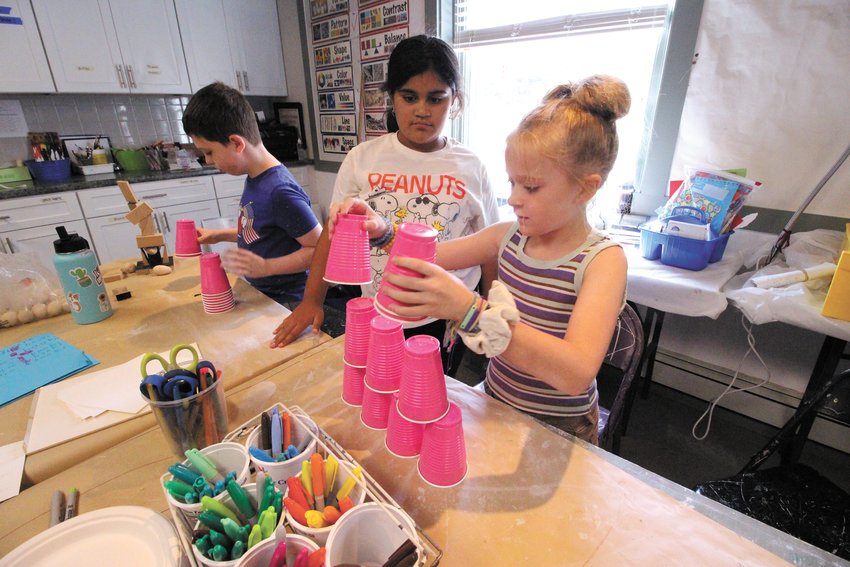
194, 422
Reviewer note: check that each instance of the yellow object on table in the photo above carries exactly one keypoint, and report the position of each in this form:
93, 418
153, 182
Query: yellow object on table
837, 304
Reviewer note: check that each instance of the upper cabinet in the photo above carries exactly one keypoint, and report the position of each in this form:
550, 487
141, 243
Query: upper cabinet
22, 56
111, 46
236, 42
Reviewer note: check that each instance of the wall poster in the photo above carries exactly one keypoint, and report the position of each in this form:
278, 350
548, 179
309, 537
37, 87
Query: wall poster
349, 46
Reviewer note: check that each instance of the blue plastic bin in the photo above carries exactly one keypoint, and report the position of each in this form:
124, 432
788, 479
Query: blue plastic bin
687, 253
55, 170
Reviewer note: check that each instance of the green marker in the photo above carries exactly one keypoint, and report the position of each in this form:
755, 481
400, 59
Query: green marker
212, 505
242, 500
255, 537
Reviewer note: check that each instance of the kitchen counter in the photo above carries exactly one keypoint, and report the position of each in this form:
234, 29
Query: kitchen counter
78, 182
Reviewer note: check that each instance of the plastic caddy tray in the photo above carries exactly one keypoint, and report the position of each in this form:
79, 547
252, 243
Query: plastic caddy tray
681, 252
430, 554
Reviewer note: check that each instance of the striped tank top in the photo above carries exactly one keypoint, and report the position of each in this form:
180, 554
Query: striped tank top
545, 292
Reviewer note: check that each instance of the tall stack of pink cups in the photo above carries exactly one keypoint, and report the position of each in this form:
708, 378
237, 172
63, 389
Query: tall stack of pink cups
411, 240
359, 313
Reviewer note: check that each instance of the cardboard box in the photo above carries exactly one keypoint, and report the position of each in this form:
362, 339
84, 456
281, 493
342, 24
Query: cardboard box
837, 304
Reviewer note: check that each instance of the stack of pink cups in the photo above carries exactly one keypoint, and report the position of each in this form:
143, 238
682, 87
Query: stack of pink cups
404, 438
359, 313
186, 239
215, 287
349, 260
383, 371
411, 240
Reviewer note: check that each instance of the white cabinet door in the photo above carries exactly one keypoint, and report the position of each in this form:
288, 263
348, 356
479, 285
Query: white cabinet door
150, 46
255, 30
40, 210
229, 185
39, 240
81, 45
22, 56
109, 46
197, 212
229, 207
209, 55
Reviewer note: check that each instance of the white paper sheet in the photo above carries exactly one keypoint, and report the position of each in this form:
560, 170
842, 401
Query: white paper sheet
12, 459
52, 421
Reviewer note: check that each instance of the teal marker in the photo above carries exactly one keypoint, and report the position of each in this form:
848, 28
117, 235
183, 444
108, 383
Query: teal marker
241, 499
239, 549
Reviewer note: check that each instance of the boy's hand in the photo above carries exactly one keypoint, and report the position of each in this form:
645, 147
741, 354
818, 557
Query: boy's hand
436, 294
208, 236
305, 315
374, 225
244, 263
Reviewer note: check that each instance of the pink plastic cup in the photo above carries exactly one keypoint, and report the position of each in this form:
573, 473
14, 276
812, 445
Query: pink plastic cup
359, 313
415, 240
404, 438
353, 385
384, 304
186, 239
422, 394
442, 460
218, 303
386, 350
349, 260
213, 277
374, 413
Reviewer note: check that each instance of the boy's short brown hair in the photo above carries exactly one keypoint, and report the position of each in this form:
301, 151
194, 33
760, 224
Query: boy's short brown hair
217, 112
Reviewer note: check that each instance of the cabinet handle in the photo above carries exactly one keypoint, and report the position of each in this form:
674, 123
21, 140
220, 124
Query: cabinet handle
120, 72
156, 222
131, 76
7, 217
165, 220
157, 196
3, 248
9, 243
239, 80
245, 79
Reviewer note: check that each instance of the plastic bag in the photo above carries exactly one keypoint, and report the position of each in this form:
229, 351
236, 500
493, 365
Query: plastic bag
28, 290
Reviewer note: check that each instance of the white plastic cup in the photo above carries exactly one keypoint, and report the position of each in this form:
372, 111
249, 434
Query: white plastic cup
301, 438
368, 534
227, 456
251, 489
320, 535
261, 554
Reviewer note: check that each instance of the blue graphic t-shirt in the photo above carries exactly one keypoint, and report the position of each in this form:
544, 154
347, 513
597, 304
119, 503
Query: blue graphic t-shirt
273, 212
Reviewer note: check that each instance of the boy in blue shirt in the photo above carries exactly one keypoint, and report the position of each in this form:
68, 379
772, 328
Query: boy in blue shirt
277, 231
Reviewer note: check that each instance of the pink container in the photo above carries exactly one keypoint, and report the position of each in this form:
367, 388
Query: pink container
359, 313
404, 438
422, 394
186, 239
442, 461
415, 240
349, 260
219, 302
213, 277
375, 411
386, 350
353, 385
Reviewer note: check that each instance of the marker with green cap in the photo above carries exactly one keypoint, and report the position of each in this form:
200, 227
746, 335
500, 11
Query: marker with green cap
267, 521
241, 499
211, 520
204, 465
212, 505
234, 531
256, 536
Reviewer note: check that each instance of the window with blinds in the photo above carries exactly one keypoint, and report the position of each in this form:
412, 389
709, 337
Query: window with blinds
513, 52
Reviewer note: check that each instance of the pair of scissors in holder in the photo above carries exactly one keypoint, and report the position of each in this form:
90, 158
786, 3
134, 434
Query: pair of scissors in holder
173, 382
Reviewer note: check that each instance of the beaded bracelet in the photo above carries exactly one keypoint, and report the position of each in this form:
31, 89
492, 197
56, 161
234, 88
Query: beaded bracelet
469, 323
382, 240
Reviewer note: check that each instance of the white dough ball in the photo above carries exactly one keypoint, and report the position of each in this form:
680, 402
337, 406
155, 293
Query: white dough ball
161, 270
25, 316
39, 310
66, 307
128, 268
9, 319
54, 308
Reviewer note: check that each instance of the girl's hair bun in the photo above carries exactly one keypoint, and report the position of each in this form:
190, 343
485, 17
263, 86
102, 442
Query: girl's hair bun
605, 96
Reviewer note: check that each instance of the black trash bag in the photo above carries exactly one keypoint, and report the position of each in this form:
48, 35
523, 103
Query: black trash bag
795, 499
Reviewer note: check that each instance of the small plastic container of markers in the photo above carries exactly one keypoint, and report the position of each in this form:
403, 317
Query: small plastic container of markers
428, 554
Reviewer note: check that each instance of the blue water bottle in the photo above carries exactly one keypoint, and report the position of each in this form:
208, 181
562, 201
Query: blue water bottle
81, 278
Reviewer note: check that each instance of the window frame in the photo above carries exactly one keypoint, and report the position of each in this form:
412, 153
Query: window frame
668, 88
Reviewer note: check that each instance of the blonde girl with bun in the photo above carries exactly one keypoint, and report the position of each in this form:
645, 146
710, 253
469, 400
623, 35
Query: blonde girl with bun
561, 284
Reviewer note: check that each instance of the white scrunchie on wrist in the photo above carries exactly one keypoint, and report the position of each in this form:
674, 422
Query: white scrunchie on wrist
494, 330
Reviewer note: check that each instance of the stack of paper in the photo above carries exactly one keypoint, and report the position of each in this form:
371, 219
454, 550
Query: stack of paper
37, 361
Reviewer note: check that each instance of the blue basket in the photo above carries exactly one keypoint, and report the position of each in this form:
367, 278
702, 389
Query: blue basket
55, 170
687, 253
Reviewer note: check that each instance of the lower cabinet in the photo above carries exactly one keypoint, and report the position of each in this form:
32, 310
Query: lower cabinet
39, 240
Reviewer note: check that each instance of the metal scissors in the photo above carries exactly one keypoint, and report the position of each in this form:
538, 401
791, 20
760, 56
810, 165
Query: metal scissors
170, 366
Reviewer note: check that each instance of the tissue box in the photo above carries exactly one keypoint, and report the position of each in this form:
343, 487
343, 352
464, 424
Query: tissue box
837, 304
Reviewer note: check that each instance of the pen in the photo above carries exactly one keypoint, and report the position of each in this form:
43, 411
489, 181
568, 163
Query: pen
72, 504
277, 432
57, 507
